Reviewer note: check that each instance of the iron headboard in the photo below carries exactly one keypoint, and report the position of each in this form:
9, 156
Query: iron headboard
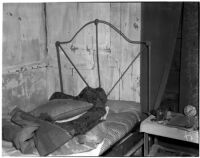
59, 44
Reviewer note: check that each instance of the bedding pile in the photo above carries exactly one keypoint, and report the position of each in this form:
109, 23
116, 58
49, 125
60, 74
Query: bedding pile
26, 131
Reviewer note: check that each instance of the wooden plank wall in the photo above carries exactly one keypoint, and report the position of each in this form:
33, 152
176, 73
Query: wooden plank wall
24, 73
115, 52
30, 30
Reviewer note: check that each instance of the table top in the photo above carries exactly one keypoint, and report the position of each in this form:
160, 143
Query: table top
153, 127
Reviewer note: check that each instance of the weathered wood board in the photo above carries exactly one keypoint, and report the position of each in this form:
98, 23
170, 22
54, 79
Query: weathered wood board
24, 77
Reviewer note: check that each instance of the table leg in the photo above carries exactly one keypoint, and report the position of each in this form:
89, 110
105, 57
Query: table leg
146, 144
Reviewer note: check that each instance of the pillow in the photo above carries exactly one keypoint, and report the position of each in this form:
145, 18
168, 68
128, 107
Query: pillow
59, 109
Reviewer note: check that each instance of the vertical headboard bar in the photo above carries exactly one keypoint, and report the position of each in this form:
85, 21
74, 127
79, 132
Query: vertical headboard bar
97, 51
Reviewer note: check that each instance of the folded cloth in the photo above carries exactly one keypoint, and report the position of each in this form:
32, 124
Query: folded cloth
9, 130
20, 136
23, 140
47, 136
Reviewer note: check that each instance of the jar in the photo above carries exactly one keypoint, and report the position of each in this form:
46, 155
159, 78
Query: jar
160, 115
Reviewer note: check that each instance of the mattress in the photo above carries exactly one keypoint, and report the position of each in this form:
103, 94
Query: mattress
121, 118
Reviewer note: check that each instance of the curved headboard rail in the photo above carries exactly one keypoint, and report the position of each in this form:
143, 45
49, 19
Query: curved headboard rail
96, 22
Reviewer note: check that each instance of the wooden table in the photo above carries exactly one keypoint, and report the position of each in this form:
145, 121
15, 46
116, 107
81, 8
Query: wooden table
154, 128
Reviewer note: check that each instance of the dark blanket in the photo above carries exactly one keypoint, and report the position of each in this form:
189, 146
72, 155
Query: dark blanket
97, 96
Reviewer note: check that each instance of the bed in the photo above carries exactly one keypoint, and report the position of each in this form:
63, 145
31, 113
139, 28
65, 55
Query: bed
120, 123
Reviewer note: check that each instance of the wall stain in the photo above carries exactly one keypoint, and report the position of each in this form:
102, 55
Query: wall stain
26, 90
13, 83
10, 14
73, 48
135, 25
87, 49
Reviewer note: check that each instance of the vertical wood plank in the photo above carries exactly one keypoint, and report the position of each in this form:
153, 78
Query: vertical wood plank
61, 26
23, 43
90, 12
115, 49
146, 144
130, 15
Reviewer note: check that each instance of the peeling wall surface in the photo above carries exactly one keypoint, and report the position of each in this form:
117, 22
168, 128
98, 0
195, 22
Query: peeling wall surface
30, 71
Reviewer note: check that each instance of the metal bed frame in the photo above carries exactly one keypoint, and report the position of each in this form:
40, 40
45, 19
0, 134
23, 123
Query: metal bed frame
96, 22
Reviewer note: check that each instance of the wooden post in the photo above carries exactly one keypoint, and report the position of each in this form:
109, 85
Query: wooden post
146, 144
